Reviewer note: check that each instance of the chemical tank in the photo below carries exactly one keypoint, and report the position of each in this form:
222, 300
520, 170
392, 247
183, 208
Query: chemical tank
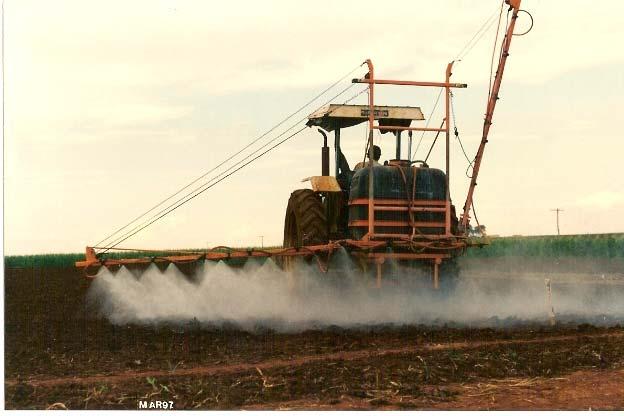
395, 182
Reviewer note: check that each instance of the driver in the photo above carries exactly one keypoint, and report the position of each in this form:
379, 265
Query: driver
376, 157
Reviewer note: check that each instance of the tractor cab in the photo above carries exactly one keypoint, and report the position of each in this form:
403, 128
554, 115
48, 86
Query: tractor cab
334, 117
409, 197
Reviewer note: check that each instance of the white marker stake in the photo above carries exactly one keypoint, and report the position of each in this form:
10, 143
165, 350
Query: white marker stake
551, 309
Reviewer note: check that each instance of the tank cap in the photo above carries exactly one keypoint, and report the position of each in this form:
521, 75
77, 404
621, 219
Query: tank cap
399, 162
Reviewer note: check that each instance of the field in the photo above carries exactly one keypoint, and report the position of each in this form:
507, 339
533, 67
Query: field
60, 354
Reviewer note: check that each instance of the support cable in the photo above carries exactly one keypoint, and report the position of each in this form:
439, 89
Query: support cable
456, 133
204, 190
434, 141
494, 49
491, 105
474, 40
435, 105
230, 157
477, 35
218, 178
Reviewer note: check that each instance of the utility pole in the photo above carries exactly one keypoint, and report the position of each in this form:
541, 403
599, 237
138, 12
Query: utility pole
557, 210
261, 240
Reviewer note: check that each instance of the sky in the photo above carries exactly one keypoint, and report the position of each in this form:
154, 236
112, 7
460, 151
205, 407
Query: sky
112, 106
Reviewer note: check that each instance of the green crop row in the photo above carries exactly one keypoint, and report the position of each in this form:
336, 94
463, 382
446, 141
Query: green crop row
61, 259
586, 245
42, 260
582, 245
69, 259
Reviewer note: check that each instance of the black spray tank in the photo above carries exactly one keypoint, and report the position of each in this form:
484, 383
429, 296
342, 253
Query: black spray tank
396, 183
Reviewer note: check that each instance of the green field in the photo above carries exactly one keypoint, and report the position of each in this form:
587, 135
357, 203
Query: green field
603, 246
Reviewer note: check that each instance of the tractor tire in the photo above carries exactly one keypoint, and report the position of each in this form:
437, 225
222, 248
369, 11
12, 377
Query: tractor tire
305, 223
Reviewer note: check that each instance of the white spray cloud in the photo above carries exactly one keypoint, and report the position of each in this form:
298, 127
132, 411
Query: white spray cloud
264, 295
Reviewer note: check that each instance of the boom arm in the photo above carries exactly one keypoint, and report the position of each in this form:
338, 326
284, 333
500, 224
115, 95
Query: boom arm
491, 105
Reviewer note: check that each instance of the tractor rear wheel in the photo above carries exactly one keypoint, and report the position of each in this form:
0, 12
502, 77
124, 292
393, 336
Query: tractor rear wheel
305, 223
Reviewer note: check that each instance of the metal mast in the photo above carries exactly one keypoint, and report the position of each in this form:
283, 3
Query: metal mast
491, 105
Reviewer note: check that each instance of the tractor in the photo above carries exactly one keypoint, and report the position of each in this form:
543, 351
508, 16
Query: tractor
397, 212
399, 209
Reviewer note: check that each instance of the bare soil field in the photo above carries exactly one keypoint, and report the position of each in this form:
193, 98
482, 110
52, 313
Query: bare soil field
58, 354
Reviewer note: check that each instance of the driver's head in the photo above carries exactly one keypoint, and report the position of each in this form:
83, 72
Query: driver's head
376, 153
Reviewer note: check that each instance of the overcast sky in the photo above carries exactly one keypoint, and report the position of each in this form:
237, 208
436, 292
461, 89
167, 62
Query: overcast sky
111, 106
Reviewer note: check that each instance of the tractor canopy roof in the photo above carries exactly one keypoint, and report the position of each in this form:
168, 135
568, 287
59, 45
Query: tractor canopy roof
337, 116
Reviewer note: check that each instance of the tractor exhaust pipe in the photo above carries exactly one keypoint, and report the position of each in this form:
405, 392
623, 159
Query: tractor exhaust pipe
324, 155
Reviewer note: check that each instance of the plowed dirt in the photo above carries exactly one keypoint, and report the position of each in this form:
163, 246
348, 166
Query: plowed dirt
58, 354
